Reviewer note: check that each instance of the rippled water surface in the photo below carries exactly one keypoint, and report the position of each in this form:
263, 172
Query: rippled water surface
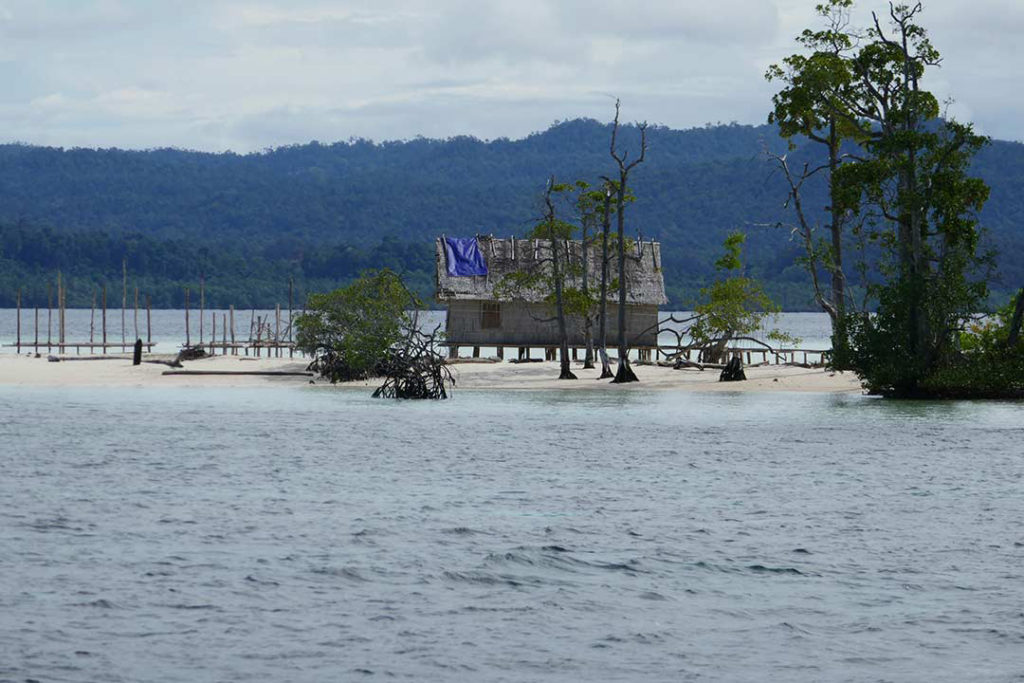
311, 534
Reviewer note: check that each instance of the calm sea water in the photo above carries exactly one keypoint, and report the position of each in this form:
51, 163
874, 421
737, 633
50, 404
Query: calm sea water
168, 326
313, 534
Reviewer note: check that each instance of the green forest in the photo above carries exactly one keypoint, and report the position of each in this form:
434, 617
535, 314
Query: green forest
319, 214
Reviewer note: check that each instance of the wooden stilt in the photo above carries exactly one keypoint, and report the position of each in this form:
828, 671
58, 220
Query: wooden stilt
259, 332
136, 312
234, 351
104, 319
291, 349
49, 314
277, 330
213, 335
17, 339
224, 331
202, 307
501, 352
64, 313
188, 338
60, 314
476, 352
92, 322
36, 344
149, 325
124, 303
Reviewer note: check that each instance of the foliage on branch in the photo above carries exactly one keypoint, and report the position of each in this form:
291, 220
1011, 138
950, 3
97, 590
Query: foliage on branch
733, 306
349, 332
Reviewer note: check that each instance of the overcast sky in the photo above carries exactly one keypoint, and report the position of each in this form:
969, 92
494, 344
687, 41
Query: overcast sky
217, 75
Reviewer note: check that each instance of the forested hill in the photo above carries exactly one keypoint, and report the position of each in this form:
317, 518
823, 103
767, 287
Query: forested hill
321, 213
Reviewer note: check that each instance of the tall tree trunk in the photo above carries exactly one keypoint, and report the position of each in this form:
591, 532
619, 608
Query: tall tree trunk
606, 226
840, 335
588, 319
920, 341
565, 371
624, 373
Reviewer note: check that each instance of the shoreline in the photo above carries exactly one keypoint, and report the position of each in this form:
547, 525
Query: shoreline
116, 370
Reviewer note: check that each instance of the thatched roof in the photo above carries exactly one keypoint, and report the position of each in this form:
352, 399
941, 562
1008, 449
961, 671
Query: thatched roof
644, 281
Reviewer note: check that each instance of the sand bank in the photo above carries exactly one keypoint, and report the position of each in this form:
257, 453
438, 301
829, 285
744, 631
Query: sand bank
116, 370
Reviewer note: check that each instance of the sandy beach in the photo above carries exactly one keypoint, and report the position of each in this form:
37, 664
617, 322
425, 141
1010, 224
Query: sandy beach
116, 370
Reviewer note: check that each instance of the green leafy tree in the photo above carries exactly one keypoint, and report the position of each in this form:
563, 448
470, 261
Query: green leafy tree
589, 206
350, 331
913, 189
815, 103
550, 275
733, 307
991, 361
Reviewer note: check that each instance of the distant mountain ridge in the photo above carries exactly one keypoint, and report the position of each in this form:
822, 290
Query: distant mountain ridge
320, 212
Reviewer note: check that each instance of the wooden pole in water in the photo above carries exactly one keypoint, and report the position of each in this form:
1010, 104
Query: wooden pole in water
104, 318
92, 322
213, 335
202, 306
291, 286
124, 302
234, 351
277, 330
224, 331
49, 314
17, 340
60, 315
252, 321
187, 338
259, 332
64, 312
136, 312
36, 345
149, 329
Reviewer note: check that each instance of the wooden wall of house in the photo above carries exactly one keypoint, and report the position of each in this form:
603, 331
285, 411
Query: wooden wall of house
520, 328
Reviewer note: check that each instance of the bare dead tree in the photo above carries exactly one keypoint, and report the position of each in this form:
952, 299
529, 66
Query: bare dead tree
805, 229
624, 373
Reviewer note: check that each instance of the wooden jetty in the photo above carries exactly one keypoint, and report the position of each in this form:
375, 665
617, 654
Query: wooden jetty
750, 355
61, 344
272, 336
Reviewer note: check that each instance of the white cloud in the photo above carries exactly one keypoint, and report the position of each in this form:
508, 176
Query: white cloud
217, 74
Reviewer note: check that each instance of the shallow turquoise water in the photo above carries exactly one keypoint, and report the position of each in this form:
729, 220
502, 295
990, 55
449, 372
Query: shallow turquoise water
315, 534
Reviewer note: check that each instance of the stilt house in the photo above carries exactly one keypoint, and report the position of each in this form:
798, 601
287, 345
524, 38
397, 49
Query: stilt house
473, 276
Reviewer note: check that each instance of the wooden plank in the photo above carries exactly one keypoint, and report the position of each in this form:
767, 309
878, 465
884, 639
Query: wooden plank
264, 373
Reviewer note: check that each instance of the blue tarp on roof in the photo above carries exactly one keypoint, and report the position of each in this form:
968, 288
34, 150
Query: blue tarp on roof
464, 257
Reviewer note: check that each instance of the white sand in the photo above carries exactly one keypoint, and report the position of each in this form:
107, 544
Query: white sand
25, 370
